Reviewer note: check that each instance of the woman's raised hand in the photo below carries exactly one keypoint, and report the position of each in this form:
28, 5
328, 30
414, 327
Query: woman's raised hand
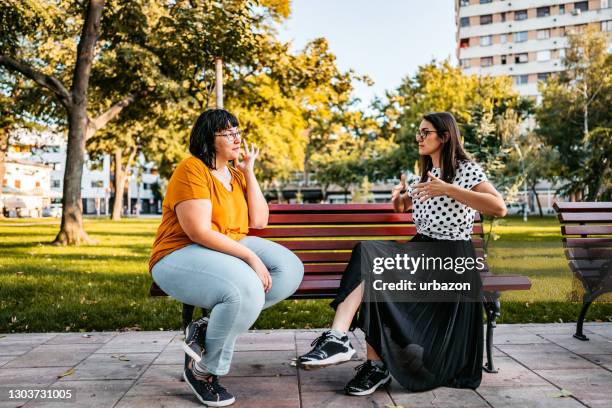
395, 193
433, 188
249, 154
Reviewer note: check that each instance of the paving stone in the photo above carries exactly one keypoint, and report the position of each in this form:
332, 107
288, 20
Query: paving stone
16, 348
308, 334
604, 360
55, 355
265, 341
138, 342
545, 356
332, 378
30, 376
517, 338
511, 374
26, 337
339, 399
5, 359
264, 392
532, 397
128, 366
160, 380
596, 345
262, 363
170, 356
82, 338
94, 394
156, 401
441, 397
591, 386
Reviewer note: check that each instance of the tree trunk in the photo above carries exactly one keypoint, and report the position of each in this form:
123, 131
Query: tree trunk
4, 136
71, 228
219, 82
120, 179
533, 190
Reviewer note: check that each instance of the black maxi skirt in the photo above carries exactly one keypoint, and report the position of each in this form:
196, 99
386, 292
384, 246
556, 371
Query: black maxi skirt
425, 345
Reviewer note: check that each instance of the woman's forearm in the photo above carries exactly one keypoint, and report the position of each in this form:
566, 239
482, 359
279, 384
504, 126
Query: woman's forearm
258, 207
485, 203
219, 242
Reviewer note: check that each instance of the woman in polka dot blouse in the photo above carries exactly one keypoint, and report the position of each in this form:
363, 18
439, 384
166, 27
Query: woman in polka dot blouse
423, 345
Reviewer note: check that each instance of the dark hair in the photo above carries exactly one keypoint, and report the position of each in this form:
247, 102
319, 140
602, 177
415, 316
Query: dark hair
452, 150
202, 139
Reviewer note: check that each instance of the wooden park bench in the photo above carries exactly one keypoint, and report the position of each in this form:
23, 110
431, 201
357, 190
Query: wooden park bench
587, 240
323, 235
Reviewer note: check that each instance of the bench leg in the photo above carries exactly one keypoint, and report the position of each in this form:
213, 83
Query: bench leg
585, 307
492, 310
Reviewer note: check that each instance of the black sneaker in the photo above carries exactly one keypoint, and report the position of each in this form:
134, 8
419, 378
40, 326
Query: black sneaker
367, 380
328, 350
195, 335
207, 389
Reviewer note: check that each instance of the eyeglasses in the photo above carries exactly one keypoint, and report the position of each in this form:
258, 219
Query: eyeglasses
422, 134
231, 136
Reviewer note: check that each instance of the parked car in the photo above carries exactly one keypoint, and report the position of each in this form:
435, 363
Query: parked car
53, 210
515, 208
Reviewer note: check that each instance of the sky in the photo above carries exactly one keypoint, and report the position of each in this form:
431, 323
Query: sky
384, 39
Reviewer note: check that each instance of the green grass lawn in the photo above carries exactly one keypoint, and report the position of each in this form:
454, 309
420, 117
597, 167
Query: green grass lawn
105, 286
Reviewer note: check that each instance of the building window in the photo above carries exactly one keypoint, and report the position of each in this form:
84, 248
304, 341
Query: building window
521, 58
465, 21
97, 184
543, 11
465, 3
485, 1
57, 166
503, 38
486, 61
56, 183
606, 4
486, 40
606, 25
543, 76
581, 5
561, 52
543, 34
520, 15
17, 183
503, 16
562, 9
465, 63
543, 55
464, 43
486, 19
146, 186
521, 36
504, 59
521, 79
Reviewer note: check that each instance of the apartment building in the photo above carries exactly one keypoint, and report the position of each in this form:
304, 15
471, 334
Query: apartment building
525, 39
48, 149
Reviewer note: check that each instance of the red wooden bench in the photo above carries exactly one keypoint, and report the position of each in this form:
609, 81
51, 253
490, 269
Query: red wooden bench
323, 235
587, 240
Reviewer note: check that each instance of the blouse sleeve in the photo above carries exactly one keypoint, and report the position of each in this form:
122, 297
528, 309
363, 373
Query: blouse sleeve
472, 175
188, 182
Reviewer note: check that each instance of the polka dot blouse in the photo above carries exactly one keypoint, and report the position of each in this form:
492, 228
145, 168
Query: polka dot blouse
442, 217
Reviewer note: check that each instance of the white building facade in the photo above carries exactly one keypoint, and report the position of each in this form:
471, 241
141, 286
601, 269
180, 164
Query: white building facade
525, 39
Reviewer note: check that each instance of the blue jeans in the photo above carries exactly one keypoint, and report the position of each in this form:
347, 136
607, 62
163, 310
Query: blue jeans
229, 287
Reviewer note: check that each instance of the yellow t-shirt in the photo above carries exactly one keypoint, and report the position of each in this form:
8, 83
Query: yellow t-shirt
192, 179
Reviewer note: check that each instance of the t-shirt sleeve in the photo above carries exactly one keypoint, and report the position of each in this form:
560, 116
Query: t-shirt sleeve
188, 182
472, 175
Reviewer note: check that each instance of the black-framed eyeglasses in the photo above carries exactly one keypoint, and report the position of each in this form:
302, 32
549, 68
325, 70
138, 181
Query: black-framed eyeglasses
231, 136
422, 134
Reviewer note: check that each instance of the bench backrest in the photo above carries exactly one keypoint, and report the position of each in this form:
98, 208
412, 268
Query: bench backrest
586, 228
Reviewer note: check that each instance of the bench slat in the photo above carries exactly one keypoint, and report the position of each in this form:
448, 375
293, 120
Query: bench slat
365, 218
582, 206
338, 244
588, 253
586, 217
319, 257
396, 230
586, 229
587, 242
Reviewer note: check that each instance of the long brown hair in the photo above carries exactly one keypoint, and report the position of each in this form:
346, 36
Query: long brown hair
452, 149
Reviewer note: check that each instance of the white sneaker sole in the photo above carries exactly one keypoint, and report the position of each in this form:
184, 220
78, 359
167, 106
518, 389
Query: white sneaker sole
384, 381
191, 353
333, 360
209, 403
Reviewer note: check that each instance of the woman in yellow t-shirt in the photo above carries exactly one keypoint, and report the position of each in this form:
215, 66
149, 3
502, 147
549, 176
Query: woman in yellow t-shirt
202, 255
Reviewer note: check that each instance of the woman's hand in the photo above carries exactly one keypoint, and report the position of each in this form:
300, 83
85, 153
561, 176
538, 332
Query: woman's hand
395, 193
433, 188
249, 155
261, 271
